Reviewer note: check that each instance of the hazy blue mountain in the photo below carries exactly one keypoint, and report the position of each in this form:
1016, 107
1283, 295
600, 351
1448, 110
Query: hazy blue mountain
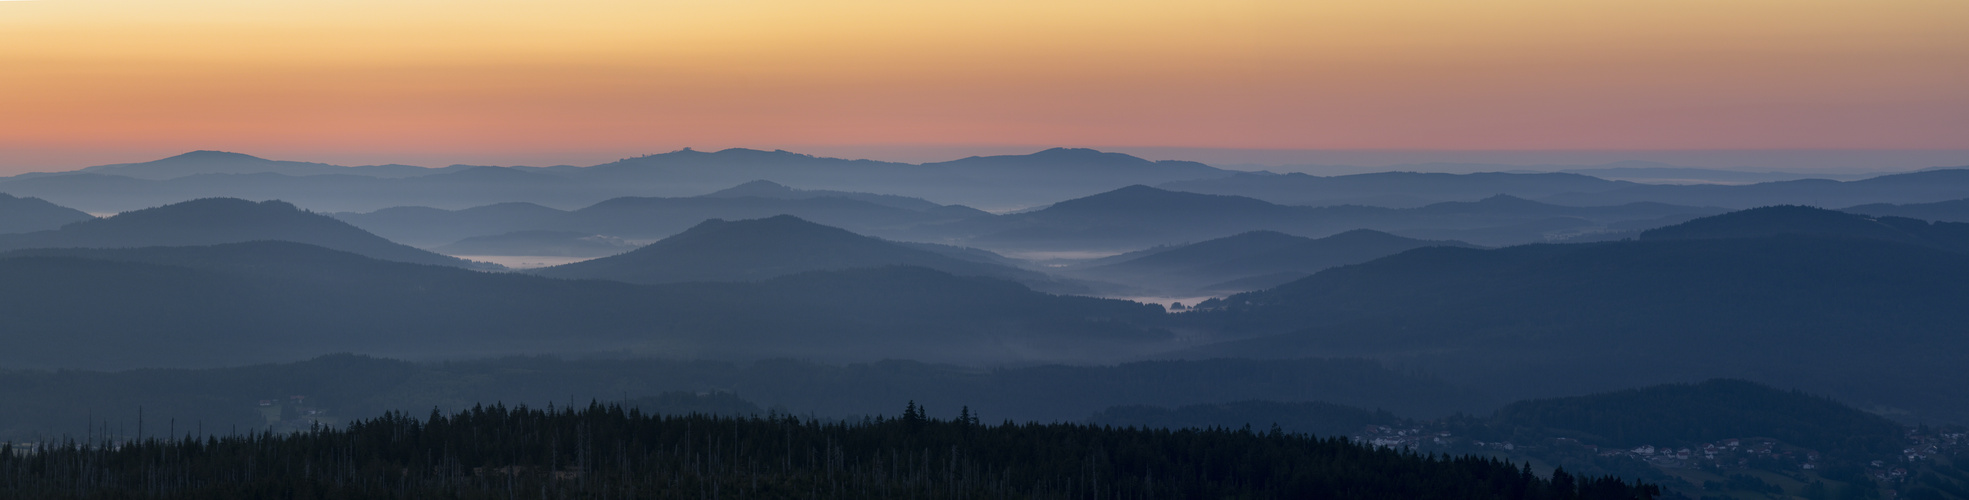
759, 249
1530, 230
343, 192
214, 221
1913, 187
1249, 283
1809, 221
1394, 189
991, 182
1254, 254
221, 162
1410, 189
997, 182
1140, 216
430, 227
539, 243
1867, 320
227, 305
651, 218
1128, 218
1078, 164
1942, 211
1661, 173
647, 218
770, 189
964, 253
21, 215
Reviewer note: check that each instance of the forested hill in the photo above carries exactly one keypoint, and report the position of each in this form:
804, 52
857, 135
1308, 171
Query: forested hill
1867, 321
1818, 222
759, 249
215, 221
276, 301
1685, 414
20, 215
606, 452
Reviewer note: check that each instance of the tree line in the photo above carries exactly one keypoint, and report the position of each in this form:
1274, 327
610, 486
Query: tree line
607, 451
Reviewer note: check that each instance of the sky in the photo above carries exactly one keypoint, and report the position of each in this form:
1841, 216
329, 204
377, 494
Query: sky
435, 82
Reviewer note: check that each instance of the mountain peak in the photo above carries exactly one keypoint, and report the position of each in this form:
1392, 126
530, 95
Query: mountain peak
212, 155
1140, 197
1504, 198
1818, 222
1078, 152
758, 249
759, 188
214, 221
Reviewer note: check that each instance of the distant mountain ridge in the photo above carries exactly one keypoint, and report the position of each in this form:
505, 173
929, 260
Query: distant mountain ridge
994, 182
1393, 189
1251, 255
21, 215
1140, 216
650, 218
1912, 187
770, 189
1411, 189
760, 249
539, 243
213, 221
222, 162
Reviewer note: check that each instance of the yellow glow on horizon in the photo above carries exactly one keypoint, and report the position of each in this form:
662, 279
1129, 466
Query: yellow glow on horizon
445, 74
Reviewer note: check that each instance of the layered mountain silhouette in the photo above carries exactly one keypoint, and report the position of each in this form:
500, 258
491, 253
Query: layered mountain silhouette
21, 215
1913, 187
222, 162
214, 221
649, 218
1411, 189
770, 189
1867, 312
1818, 222
1941, 211
539, 243
431, 227
1393, 189
1077, 164
759, 249
994, 182
232, 304
1263, 255
1140, 216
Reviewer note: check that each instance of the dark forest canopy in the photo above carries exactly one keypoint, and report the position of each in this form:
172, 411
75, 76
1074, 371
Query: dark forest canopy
53, 403
1685, 414
606, 452
1869, 321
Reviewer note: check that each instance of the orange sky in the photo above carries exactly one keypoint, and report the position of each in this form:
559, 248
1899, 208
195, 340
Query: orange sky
584, 81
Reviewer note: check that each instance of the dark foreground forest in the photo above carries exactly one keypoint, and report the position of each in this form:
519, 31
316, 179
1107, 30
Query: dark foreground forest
607, 452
